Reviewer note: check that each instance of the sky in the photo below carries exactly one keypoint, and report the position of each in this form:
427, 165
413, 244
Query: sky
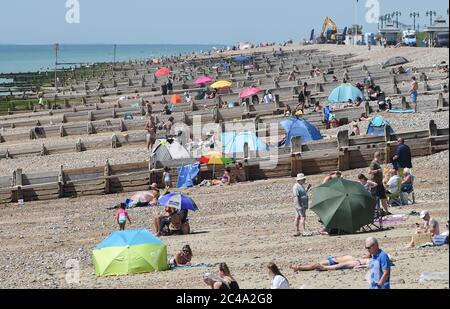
190, 21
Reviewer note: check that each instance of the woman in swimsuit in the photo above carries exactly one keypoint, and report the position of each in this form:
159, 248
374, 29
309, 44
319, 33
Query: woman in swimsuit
222, 282
225, 180
334, 263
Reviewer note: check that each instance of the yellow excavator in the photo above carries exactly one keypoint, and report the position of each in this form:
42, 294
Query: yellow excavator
331, 35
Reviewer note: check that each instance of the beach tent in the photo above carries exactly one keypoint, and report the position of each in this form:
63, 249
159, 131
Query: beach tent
344, 205
128, 253
345, 92
377, 126
395, 61
300, 127
187, 175
168, 150
234, 142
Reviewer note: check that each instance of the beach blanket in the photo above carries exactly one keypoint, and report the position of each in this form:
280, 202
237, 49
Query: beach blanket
208, 265
395, 218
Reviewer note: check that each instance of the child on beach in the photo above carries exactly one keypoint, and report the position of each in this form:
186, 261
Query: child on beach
166, 178
122, 216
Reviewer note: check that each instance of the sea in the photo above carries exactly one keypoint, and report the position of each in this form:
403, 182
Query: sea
34, 58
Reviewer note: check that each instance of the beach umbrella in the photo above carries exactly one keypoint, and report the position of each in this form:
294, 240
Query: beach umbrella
344, 205
215, 158
204, 80
175, 99
249, 92
295, 127
129, 252
178, 201
221, 84
241, 59
395, 61
162, 72
345, 92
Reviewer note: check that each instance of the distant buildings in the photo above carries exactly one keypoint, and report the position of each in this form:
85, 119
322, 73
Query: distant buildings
437, 33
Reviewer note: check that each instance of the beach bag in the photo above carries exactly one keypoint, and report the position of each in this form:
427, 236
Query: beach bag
440, 240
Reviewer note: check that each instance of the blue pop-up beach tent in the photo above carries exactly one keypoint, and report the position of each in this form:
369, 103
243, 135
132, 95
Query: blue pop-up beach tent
377, 126
295, 127
345, 92
234, 142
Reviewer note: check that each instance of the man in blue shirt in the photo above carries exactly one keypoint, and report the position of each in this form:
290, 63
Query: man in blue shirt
380, 265
402, 158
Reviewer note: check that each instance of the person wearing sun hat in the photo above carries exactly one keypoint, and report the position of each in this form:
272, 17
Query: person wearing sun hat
300, 195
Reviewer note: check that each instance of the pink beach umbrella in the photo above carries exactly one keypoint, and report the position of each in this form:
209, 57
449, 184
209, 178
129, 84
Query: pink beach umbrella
249, 92
162, 72
204, 80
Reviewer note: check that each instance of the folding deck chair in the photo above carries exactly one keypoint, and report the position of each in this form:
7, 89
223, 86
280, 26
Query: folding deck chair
377, 223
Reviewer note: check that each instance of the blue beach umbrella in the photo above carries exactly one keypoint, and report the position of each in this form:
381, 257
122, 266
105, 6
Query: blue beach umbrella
300, 127
345, 92
178, 201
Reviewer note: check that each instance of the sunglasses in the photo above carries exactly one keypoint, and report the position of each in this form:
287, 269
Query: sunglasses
370, 247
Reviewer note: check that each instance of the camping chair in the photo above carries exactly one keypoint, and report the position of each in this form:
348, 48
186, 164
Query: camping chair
394, 199
377, 223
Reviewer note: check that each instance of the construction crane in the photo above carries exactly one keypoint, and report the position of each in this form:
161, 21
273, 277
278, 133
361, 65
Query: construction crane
330, 35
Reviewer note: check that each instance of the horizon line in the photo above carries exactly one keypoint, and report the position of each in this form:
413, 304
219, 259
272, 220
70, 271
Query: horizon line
118, 44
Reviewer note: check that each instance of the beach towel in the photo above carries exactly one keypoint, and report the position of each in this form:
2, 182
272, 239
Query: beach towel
401, 111
208, 265
395, 218
187, 174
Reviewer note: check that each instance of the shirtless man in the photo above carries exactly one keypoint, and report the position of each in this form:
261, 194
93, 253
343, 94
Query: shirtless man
429, 226
150, 127
334, 263
413, 92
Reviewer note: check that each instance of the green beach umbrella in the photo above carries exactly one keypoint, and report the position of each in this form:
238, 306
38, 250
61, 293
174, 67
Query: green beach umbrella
128, 253
344, 205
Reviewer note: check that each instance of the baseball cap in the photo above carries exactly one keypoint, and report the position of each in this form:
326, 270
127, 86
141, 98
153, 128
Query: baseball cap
424, 213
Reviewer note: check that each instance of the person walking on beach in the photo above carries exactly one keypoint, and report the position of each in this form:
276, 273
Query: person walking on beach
122, 216
300, 195
402, 158
150, 127
380, 265
413, 92
376, 175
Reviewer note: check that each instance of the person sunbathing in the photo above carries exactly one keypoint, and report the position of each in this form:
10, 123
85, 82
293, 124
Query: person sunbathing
334, 263
225, 180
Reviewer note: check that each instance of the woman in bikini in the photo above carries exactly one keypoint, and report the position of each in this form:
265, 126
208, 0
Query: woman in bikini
334, 263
